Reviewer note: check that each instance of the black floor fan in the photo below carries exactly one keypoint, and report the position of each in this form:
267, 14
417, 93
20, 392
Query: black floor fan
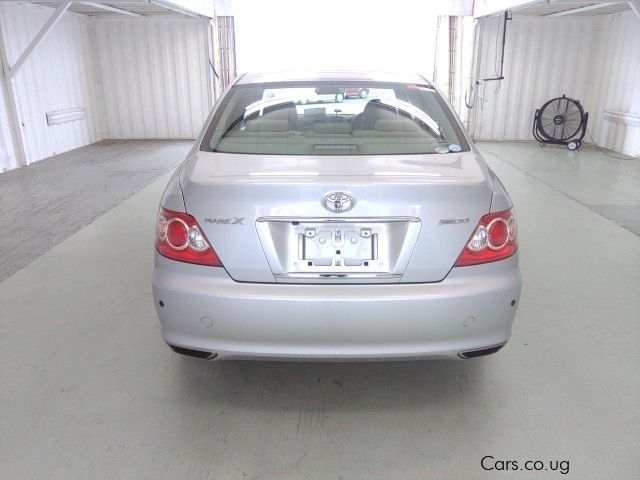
560, 121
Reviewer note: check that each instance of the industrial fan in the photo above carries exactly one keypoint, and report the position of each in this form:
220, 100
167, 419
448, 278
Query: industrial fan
560, 121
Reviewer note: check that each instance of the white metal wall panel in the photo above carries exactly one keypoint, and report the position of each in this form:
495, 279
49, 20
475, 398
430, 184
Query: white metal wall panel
616, 82
154, 75
544, 58
595, 59
56, 76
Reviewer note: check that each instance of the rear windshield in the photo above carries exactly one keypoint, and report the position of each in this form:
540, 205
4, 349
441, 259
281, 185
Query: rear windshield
333, 119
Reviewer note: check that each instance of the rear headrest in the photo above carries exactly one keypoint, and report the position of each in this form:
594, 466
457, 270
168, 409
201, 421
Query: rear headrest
374, 110
332, 128
266, 125
283, 111
280, 111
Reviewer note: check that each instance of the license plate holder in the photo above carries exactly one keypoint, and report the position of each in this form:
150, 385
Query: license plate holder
338, 245
320, 249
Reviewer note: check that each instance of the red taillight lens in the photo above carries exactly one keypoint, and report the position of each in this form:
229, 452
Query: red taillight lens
179, 237
177, 234
495, 238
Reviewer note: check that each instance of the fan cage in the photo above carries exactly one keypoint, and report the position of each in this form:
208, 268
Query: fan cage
560, 121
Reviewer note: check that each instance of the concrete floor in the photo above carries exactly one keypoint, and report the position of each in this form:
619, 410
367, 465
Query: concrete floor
607, 185
50, 200
89, 390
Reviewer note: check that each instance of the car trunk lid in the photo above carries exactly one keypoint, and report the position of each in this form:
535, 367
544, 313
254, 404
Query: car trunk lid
265, 216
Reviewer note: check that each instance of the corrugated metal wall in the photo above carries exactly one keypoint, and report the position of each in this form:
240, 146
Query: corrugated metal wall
615, 81
147, 78
591, 58
155, 76
57, 76
544, 58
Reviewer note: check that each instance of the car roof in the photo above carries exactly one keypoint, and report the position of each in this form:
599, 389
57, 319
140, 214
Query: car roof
331, 76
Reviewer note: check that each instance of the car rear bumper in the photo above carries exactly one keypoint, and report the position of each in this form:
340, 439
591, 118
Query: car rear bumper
205, 310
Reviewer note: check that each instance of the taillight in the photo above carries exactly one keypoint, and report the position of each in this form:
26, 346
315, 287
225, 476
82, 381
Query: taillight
495, 238
179, 237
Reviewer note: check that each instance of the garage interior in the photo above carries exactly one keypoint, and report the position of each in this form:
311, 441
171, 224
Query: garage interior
101, 101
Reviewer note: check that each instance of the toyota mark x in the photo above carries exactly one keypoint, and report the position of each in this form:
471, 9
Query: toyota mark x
366, 228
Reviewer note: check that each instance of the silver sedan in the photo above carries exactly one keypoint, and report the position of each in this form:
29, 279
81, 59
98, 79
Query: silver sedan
300, 227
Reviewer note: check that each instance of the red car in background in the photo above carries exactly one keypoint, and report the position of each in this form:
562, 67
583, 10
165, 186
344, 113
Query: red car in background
356, 92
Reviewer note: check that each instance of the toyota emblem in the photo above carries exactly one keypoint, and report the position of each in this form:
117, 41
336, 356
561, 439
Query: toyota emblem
338, 202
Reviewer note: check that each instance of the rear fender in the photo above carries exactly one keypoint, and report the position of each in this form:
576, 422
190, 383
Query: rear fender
172, 198
500, 199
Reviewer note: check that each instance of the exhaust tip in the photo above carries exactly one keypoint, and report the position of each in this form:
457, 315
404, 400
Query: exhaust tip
193, 353
467, 354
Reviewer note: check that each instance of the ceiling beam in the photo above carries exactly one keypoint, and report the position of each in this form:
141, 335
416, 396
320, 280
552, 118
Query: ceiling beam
55, 17
487, 8
109, 8
190, 8
585, 8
